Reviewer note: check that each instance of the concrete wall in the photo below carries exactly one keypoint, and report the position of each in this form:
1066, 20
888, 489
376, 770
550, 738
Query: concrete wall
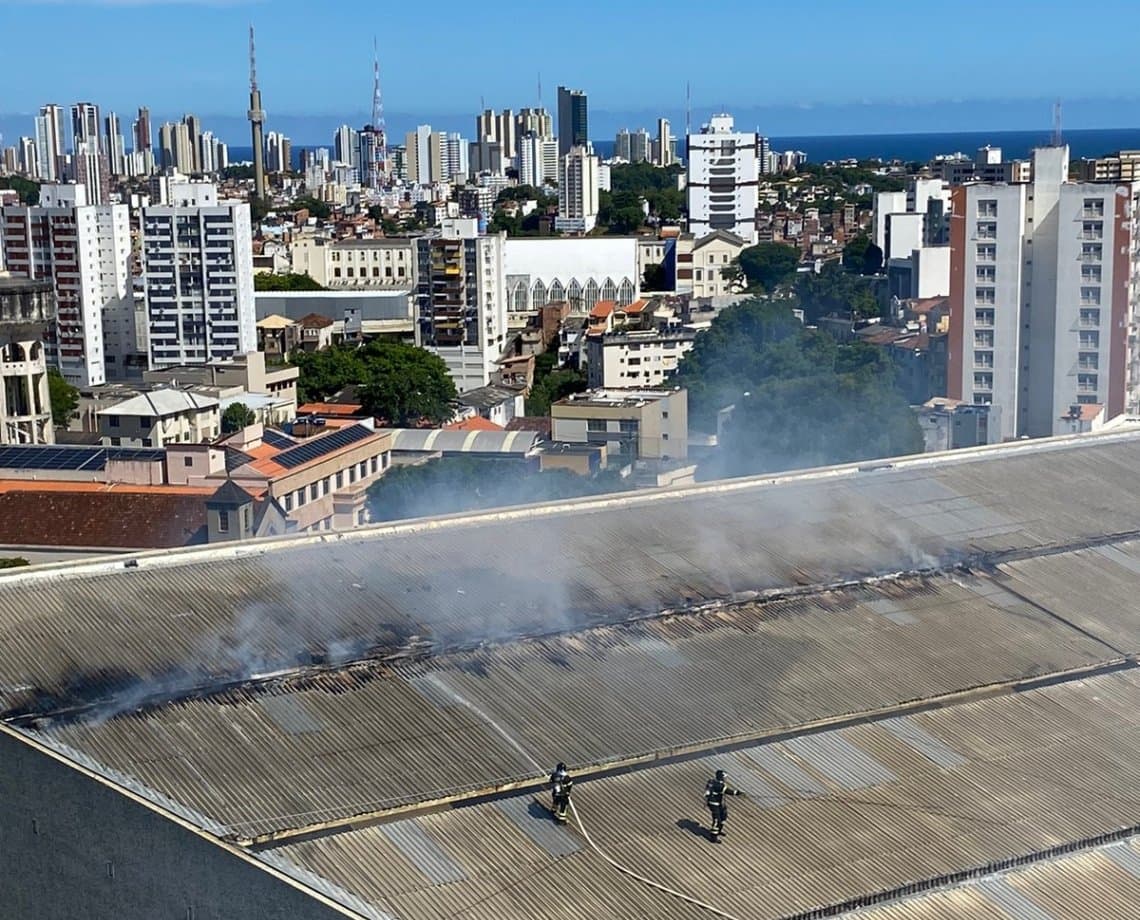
76, 847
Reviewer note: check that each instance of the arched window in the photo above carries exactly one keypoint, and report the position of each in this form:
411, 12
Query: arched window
520, 298
13, 352
591, 298
575, 296
35, 352
557, 292
538, 298
609, 290
625, 293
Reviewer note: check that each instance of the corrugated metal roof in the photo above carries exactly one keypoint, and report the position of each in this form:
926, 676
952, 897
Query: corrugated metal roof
1037, 768
450, 441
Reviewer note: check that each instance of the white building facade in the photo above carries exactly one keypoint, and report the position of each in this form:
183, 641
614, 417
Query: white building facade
577, 192
1044, 297
198, 275
85, 250
576, 271
722, 179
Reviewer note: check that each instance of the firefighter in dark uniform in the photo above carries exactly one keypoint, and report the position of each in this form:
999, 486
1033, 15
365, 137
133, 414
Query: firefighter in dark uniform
561, 784
716, 791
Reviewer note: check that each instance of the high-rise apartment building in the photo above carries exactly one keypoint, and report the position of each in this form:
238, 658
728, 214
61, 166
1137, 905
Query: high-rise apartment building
114, 145
84, 249
455, 159
419, 159
573, 121
175, 153
369, 162
462, 300
144, 137
664, 146
639, 145
346, 146
197, 259
85, 124
534, 121
29, 157
538, 160
622, 145
278, 153
504, 128
194, 132
722, 180
50, 141
1043, 295
577, 191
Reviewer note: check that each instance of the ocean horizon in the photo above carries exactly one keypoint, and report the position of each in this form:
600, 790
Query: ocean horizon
918, 147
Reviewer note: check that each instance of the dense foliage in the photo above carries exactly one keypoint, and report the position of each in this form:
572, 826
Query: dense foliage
552, 384
263, 281
28, 190
321, 210
862, 256
236, 417
401, 384
456, 484
801, 399
835, 291
766, 265
64, 398
657, 185
13, 562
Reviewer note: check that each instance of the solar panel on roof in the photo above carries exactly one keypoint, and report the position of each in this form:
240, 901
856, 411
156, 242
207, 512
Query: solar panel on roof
277, 439
52, 457
320, 447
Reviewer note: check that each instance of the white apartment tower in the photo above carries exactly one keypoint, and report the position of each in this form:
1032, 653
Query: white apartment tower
462, 300
538, 160
49, 141
577, 192
198, 277
1044, 297
84, 250
722, 180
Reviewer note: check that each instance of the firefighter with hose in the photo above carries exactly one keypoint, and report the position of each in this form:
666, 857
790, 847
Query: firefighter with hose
717, 790
561, 783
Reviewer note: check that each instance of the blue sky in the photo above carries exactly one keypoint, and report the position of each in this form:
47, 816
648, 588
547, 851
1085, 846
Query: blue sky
824, 67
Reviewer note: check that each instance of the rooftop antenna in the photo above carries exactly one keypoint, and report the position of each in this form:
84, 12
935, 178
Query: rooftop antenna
1057, 123
381, 147
540, 89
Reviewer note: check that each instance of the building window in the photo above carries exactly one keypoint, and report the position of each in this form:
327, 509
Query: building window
1092, 252
375, 465
1089, 340
223, 522
147, 442
1094, 207
986, 273
986, 230
187, 461
340, 480
984, 359
984, 295
114, 421
1090, 316
987, 207
595, 424
1090, 295
983, 381
1086, 383
314, 491
987, 252
1088, 361
984, 339
289, 502
1092, 230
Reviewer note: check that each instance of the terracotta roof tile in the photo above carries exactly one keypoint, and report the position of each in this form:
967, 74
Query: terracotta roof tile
475, 423
59, 514
602, 309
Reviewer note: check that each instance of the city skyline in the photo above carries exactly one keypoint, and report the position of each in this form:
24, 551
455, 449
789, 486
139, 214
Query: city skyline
895, 82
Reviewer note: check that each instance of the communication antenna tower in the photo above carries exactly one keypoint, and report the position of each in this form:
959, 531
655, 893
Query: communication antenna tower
1057, 123
380, 148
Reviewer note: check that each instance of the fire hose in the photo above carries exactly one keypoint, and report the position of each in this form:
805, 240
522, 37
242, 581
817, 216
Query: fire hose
625, 870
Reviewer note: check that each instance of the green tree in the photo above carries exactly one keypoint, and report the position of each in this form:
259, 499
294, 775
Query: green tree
64, 398
316, 208
835, 291
236, 417
654, 278
800, 398
457, 484
862, 256
258, 208
767, 265
399, 383
620, 213
28, 190
13, 562
406, 384
263, 281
